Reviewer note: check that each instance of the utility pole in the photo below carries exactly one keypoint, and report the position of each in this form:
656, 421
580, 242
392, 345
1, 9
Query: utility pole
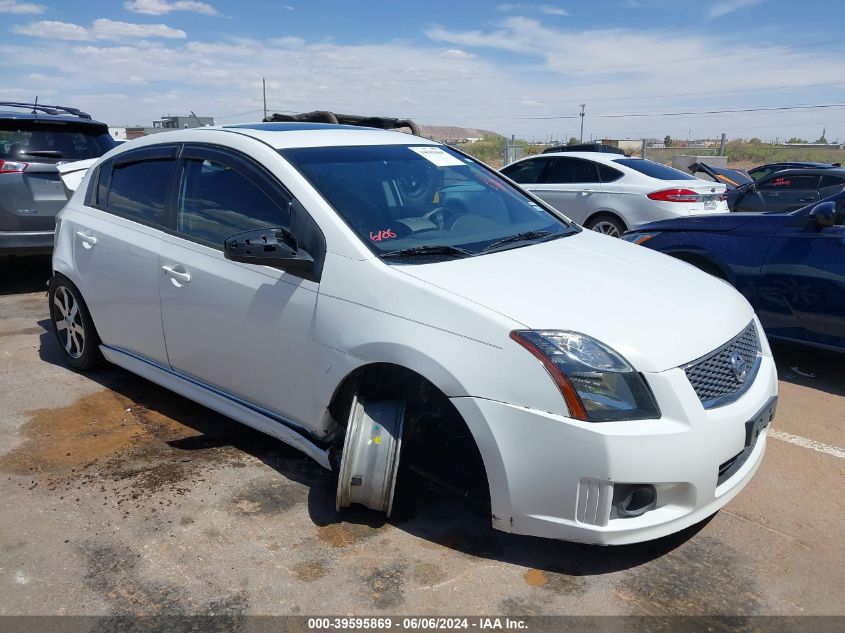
583, 105
264, 92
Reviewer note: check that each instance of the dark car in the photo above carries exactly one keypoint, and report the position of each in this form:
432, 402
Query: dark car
33, 140
766, 170
787, 190
790, 266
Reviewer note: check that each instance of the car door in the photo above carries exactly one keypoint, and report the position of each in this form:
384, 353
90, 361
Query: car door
781, 192
116, 240
241, 329
802, 282
571, 185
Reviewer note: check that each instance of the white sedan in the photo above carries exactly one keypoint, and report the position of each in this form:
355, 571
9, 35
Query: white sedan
611, 193
389, 305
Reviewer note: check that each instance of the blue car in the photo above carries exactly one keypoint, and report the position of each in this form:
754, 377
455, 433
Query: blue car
790, 266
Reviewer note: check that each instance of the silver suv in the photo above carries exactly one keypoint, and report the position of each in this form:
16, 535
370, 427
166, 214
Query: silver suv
35, 138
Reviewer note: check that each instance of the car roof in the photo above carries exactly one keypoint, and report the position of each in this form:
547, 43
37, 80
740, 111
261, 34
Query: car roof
290, 134
599, 157
29, 116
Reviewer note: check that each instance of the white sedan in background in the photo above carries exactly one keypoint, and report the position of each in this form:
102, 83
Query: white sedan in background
612, 193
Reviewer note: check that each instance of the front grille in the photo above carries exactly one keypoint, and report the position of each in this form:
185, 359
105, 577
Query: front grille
715, 377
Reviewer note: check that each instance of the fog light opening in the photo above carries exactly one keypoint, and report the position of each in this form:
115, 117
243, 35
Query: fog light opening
633, 500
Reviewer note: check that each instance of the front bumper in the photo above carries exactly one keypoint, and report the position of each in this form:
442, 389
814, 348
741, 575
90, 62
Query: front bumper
553, 476
26, 242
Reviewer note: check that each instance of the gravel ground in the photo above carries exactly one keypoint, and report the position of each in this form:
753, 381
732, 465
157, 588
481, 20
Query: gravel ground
120, 497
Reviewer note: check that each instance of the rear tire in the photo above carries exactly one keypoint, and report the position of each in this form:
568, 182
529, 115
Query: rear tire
73, 327
607, 224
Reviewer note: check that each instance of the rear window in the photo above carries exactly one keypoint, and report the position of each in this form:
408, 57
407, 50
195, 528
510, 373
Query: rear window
52, 141
654, 170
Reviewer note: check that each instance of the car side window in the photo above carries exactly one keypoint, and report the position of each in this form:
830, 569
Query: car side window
217, 200
526, 172
789, 182
831, 181
138, 190
608, 173
567, 171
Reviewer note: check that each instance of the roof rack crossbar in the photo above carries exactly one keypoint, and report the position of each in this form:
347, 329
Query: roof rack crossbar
324, 116
46, 109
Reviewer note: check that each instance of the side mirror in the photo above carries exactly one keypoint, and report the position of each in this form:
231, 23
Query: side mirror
823, 214
275, 247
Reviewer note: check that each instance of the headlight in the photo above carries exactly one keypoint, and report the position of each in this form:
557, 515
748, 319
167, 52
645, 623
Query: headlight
638, 238
596, 382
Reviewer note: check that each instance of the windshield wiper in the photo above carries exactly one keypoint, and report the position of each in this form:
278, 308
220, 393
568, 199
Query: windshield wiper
525, 236
431, 249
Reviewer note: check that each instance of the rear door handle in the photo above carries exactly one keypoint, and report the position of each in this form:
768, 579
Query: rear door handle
88, 240
810, 199
182, 278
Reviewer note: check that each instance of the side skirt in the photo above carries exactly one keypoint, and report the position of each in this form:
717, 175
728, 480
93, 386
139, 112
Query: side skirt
217, 401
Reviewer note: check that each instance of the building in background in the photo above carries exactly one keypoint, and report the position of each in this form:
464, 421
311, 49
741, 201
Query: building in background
167, 123
118, 133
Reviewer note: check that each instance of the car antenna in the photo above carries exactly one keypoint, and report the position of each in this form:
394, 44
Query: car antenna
35, 105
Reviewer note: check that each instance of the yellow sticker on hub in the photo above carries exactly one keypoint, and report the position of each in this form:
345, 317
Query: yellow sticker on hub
377, 439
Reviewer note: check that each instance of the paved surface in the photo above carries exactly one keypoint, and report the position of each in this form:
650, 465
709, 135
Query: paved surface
119, 497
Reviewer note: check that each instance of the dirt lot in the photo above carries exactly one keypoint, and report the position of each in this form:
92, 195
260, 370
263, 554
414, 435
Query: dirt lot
119, 497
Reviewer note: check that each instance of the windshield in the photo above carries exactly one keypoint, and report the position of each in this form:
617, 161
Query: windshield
52, 141
429, 199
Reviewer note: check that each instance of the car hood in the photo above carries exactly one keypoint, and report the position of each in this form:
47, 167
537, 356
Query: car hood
656, 311
710, 222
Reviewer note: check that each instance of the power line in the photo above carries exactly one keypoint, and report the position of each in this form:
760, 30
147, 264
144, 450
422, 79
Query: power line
648, 114
706, 94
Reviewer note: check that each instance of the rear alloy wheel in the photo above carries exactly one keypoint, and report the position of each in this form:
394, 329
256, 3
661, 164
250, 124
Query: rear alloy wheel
607, 225
73, 326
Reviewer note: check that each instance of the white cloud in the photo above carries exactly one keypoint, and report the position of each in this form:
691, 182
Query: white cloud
550, 9
163, 7
729, 6
456, 53
102, 29
50, 29
111, 30
21, 8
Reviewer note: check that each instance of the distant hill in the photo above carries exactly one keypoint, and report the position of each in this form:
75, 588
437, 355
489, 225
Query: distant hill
453, 133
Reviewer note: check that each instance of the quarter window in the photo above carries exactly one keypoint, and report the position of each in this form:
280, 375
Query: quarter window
607, 173
138, 191
216, 201
831, 181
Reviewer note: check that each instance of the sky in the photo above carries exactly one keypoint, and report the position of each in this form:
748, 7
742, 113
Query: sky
523, 68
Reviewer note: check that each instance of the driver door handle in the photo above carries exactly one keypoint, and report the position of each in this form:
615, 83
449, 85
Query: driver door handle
170, 271
87, 239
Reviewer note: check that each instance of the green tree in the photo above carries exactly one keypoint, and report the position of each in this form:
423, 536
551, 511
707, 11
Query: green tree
572, 141
795, 139
668, 141
755, 141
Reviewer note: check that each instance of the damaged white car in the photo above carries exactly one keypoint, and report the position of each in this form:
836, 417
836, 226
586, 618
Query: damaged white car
387, 304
